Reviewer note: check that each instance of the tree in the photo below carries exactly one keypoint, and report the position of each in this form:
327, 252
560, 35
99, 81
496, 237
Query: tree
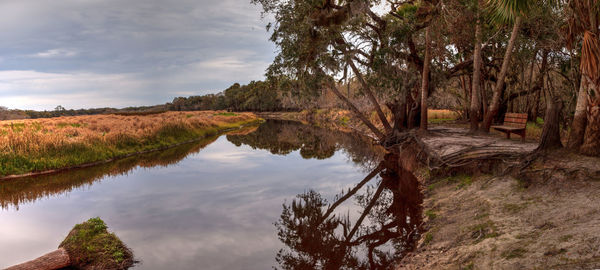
504, 10
584, 17
550, 138
475, 106
320, 40
425, 81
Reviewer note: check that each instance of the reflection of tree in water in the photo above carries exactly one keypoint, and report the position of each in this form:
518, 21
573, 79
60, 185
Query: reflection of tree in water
23, 190
319, 236
284, 137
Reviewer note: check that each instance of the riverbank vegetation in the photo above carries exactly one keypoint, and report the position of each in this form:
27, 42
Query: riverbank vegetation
54, 143
480, 59
485, 58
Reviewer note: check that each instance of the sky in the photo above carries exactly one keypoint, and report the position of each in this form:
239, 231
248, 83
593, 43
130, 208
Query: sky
109, 53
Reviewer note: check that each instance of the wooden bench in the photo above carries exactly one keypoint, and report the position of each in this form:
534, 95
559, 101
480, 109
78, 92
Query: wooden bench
513, 123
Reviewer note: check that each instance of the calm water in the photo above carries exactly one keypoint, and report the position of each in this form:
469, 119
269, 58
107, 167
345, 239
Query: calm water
283, 194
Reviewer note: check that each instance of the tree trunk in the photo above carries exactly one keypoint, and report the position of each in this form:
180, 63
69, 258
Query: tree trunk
54, 260
591, 141
371, 96
536, 107
529, 85
467, 96
425, 81
484, 102
475, 93
495, 104
414, 115
551, 132
398, 108
539, 85
579, 124
356, 111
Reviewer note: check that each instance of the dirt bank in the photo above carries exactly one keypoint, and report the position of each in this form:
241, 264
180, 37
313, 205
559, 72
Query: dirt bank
542, 221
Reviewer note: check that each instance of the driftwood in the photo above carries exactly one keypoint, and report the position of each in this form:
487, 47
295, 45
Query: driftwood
54, 260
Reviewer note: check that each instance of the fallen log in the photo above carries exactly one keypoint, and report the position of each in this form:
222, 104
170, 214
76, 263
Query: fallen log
88, 245
54, 260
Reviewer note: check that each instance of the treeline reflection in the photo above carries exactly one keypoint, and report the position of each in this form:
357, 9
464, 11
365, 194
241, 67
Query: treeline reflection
320, 235
25, 190
279, 137
284, 137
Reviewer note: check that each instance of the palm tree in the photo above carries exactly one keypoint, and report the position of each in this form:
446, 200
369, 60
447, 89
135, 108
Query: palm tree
504, 11
584, 16
475, 106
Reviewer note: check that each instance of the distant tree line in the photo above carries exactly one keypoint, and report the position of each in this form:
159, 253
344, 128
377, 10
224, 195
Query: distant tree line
258, 96
273, 94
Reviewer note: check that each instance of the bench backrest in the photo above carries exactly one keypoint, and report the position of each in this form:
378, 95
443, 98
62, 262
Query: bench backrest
515, 120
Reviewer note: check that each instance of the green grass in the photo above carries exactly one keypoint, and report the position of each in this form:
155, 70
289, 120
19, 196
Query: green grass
428, 238
344, 120
430, 214
463, 180
75, 125
226, 114
16, 127
79, 153
482, 231
469, 266
90, 245
539, 121
534, 130
514, 253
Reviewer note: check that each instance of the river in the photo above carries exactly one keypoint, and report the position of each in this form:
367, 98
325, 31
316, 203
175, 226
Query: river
282, 195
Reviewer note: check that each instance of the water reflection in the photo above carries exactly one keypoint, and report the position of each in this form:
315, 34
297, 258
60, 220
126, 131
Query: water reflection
27, 190
284, 137
320, 236
213, 209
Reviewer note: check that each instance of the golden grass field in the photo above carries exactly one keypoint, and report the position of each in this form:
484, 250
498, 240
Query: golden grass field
442, 114
51, 143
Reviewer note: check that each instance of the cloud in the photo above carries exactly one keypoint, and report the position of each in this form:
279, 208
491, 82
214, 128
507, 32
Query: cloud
80, 50
18, 88
55, 53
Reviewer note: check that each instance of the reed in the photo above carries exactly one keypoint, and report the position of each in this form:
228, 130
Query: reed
44, 144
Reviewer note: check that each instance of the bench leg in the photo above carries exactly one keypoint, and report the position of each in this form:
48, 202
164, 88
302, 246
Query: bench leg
508, 135
523, 136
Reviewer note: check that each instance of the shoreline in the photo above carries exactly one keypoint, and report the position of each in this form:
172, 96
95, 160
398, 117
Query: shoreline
156, 145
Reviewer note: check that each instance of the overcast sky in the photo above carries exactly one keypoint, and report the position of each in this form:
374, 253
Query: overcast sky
109, 53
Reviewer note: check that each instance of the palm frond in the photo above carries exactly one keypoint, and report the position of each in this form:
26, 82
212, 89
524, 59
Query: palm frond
507, 11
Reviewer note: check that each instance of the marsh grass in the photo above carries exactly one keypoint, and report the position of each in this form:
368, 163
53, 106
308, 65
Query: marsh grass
54, 143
